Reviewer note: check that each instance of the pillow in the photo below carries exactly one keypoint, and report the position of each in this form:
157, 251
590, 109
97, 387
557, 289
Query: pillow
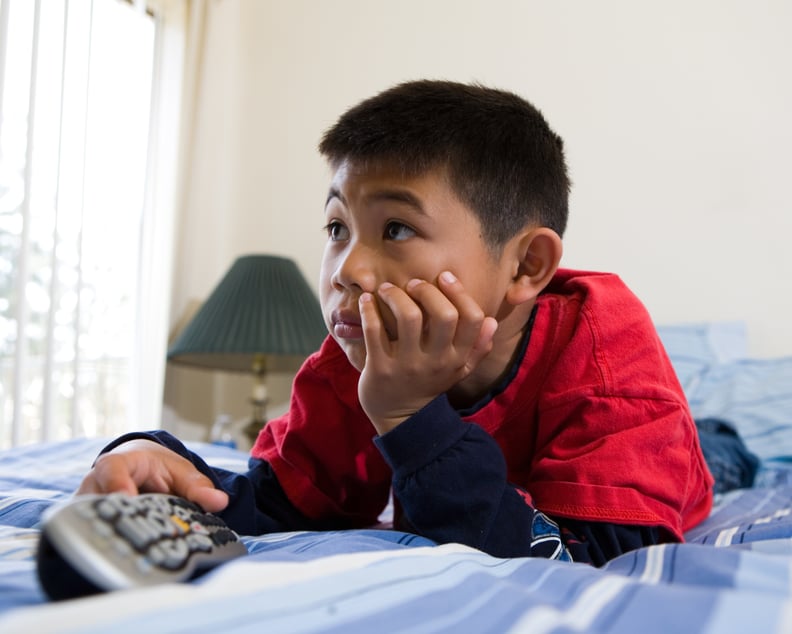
695, 347
755, 396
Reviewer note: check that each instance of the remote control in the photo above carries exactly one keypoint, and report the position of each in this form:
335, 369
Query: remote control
97, 543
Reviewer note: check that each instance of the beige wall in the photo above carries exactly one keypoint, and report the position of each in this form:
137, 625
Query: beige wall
676, 118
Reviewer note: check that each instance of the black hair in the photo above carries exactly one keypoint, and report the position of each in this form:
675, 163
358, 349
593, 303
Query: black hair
501, 156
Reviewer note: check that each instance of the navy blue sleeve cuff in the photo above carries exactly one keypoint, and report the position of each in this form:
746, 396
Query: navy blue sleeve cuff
136, 435
420, 439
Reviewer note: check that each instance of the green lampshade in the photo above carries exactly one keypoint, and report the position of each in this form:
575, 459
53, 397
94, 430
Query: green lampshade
262, 316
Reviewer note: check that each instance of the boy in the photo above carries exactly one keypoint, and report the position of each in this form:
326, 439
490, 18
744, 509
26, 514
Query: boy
515, 407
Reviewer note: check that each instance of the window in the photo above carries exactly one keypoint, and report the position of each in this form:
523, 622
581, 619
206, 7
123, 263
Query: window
76, 94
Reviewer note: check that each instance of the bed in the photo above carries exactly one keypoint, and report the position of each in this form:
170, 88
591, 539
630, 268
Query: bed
734, 573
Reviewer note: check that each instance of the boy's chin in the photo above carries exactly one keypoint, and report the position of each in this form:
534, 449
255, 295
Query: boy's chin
358, 361
355, 354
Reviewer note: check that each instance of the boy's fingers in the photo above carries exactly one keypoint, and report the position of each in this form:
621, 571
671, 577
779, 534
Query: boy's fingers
374, 335
438, 316
483, 343
471, 316
197, 488
155, 469
110, 474
407, 314
169, 472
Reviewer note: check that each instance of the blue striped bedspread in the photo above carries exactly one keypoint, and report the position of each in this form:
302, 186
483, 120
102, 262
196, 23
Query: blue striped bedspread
733, 574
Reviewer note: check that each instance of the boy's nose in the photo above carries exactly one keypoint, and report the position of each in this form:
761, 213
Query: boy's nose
356, 269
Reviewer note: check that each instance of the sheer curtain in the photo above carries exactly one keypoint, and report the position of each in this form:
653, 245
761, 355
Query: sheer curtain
90, 119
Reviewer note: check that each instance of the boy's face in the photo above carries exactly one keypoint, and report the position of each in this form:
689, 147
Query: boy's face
383, 227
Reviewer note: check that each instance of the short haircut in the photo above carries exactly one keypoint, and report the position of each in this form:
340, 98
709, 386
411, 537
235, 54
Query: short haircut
502, 158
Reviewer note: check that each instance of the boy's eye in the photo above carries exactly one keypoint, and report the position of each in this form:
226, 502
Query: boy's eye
398, 231
336, 231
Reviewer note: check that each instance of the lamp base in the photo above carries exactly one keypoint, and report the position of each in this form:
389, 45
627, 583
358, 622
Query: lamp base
252, 429
259, 402
257, 423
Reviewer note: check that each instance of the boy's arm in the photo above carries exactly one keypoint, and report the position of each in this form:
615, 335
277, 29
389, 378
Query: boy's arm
450, 479
450, 476
251, 503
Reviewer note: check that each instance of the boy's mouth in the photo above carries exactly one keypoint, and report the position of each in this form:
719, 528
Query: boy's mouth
344, 330
346, 325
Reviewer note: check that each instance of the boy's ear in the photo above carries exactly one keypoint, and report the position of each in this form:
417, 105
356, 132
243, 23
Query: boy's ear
536, 258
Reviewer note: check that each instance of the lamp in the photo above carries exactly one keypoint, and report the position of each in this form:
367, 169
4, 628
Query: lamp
261, 317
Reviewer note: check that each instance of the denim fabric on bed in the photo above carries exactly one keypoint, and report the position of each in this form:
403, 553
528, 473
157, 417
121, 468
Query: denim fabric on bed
729, 460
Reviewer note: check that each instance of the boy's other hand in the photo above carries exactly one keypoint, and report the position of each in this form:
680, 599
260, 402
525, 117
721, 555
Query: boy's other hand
441, 335
144, 466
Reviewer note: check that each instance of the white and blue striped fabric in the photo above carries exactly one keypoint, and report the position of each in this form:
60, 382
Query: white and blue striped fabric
734, 574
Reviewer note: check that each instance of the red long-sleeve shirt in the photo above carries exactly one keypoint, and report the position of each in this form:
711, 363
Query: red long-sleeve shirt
592, 425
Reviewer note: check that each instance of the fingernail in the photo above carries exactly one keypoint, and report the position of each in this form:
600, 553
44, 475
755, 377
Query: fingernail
448, 277
413, 283
365, 297
385, 286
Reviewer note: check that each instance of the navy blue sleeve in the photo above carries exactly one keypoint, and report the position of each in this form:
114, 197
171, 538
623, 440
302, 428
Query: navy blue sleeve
450, 479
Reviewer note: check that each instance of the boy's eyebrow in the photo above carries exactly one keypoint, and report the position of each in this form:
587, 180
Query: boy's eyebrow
393, 195
400, 196
334, 193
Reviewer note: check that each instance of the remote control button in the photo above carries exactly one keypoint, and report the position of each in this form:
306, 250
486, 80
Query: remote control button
184, 503
161, 524
223, 536
176, 553
199, 543
155, 554
182, 526
138, 531
184, 514
124, 505
106, 509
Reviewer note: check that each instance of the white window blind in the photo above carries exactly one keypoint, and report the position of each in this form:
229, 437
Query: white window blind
76, 99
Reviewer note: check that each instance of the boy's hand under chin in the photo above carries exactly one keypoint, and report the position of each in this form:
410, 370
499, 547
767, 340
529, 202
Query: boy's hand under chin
441, 335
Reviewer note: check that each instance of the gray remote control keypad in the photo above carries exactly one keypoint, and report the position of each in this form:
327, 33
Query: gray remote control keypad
95, 543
